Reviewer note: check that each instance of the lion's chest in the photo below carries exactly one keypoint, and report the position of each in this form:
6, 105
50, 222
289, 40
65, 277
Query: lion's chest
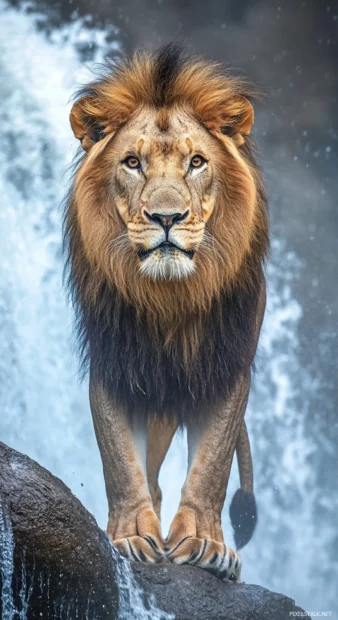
146, 378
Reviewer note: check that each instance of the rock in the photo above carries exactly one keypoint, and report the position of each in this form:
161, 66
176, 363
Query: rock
192, 594
62, 560
55, 562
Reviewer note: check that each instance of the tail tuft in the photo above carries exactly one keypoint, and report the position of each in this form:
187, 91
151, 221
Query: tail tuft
243, 516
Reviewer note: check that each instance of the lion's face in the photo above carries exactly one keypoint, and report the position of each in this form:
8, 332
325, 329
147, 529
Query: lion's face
147, 194
164, 188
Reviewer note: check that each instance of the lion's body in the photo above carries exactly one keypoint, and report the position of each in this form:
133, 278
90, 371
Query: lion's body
165, 264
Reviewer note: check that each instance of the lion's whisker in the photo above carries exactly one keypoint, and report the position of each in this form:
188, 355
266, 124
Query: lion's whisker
119, 241
209, 242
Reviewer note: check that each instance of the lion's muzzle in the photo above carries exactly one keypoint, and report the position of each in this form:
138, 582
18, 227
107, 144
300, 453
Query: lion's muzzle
166, 220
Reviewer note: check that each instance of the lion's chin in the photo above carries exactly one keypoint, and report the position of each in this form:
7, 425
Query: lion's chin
171, 266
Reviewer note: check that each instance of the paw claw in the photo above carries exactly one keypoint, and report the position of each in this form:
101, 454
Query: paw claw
210, 555
138, 549
143, 542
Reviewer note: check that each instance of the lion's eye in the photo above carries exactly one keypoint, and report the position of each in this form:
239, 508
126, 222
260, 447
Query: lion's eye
197, 161
132, 162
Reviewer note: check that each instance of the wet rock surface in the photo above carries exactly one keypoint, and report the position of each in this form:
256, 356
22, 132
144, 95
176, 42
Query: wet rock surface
56, 563
193, 594
61, 562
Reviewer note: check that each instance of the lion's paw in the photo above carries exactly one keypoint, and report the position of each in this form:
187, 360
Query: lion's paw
139, 538
212, 556
139, 549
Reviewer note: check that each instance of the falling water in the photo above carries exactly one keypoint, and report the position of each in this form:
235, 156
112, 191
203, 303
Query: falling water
45, 411
133, 602
9, 610
6, 563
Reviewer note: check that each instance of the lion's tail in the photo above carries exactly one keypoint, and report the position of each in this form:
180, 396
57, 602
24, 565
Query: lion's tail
243, 511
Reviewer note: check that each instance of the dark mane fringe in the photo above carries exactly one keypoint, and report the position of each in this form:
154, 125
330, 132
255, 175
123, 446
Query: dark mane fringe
168, 63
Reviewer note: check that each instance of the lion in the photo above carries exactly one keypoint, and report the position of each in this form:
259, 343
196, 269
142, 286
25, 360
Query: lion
166, 234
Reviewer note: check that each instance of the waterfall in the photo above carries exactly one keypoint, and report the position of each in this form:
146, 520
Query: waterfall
131, 597
6, 563
133, 602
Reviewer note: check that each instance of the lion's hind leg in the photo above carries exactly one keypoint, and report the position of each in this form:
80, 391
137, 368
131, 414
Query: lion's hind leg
160, 434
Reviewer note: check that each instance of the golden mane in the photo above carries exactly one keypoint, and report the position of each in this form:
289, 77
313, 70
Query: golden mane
220, 103
208, 318
170, 79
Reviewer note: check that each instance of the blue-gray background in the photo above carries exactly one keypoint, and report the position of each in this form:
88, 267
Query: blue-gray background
290, 48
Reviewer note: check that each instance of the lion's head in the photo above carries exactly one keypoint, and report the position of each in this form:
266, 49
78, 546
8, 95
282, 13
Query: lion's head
167, 203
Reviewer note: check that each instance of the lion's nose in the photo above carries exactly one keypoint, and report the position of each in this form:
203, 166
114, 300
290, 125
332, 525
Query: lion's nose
166, 220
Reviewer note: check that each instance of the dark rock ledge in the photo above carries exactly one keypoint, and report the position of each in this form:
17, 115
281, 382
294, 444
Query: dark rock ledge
56, 563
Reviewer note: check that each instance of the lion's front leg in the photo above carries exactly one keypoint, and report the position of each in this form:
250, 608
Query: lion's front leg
133, 526
195, 535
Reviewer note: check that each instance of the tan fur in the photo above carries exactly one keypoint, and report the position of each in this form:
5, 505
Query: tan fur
160, 435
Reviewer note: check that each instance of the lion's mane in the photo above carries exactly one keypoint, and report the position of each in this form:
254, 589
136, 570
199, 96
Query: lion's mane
167, 348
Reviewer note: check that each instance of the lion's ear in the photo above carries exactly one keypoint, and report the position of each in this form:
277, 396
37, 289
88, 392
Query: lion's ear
85, 124
239, 118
